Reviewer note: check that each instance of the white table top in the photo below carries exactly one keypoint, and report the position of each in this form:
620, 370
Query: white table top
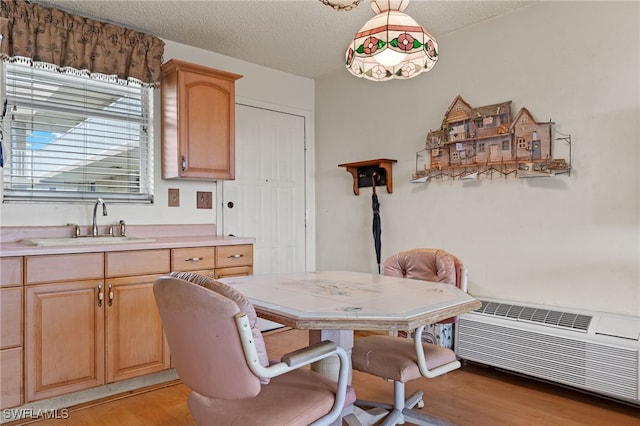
351, 300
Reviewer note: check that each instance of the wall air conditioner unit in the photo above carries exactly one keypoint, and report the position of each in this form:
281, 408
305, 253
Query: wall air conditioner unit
592, 351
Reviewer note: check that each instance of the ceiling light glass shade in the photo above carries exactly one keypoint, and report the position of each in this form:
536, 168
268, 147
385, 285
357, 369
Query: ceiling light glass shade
391, 45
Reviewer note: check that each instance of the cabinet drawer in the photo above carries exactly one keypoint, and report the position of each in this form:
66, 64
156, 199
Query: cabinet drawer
235, 271
11, 317
240, 255
193, 258
64, 267
10, 271
137, 262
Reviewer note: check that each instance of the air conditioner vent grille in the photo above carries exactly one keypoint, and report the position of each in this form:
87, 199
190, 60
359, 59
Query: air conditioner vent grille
561, 319
603, 368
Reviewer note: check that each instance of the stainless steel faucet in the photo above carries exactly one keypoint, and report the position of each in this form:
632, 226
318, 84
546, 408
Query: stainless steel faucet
94, 226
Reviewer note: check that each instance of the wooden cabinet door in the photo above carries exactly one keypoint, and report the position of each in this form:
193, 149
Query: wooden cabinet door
135, 340
10, 377
207, 134
198, 122
64, 338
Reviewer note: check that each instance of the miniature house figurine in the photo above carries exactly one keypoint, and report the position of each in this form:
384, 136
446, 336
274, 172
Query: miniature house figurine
485, 140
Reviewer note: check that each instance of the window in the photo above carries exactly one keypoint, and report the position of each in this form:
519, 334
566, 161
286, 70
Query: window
522, 143
70, 138
505, 144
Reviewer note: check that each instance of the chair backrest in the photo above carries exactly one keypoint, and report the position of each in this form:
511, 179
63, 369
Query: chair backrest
204, 342
242, 302
429, 265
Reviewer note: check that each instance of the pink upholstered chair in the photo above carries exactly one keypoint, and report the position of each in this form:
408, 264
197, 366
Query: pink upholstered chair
429, 264
400, 359
219, 354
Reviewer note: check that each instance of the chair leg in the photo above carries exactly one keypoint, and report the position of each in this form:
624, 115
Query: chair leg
372, 404
395, 417
402, 410
415, 399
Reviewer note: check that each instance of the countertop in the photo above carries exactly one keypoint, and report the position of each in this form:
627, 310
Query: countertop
162, 236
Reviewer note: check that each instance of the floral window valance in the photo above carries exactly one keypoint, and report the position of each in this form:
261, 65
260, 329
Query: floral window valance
55, 39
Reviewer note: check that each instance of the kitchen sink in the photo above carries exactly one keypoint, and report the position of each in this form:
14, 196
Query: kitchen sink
71, 241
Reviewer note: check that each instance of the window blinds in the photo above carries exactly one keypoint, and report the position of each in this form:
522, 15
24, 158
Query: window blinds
71, 137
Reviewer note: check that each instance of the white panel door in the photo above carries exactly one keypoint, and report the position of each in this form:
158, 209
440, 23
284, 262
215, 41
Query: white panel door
267, 198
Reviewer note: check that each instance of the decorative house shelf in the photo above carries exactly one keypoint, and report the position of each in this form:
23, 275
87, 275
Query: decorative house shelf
485, 141
366, 172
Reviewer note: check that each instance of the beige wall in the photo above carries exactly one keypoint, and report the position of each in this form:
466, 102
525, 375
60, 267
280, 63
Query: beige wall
572, 240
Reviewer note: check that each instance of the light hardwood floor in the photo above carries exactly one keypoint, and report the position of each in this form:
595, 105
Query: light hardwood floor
472, 395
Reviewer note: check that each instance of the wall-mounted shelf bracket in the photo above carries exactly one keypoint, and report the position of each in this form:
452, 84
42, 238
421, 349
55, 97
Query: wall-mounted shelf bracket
365, 172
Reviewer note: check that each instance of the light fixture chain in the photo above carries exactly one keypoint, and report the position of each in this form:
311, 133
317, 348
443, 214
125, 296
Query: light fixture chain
341, 7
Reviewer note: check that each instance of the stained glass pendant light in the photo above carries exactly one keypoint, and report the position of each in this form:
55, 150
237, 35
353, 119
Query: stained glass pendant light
391, 45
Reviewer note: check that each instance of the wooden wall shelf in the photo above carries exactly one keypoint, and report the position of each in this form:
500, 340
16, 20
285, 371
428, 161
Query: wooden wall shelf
364, 173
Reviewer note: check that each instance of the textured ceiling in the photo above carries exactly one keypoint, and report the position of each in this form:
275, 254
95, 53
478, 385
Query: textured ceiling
302, 37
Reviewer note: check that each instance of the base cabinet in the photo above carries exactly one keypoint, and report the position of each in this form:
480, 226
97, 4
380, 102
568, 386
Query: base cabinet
135, 341
72, 322
86, 333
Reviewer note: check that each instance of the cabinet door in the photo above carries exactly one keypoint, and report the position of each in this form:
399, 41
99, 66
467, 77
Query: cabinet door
64, 338
198, 122
135, 340
207, 126
10, 377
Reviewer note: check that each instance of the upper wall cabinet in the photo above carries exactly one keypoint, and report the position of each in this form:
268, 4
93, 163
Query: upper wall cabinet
198, 122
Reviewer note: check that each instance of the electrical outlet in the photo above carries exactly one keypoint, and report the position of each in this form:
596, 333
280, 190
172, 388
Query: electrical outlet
204, 200
174, 197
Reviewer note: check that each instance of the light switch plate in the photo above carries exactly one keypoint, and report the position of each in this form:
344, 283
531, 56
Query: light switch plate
204, 200
174, 197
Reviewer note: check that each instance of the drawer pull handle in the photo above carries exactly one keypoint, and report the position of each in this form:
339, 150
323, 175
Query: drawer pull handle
100, 295
193, 259
235, 256
110, 295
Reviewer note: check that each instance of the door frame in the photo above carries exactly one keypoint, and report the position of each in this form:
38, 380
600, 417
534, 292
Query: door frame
309, 172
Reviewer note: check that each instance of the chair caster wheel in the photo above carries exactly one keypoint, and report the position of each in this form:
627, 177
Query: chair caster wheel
420, 404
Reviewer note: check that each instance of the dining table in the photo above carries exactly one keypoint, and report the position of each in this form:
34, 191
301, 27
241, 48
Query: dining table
333, 304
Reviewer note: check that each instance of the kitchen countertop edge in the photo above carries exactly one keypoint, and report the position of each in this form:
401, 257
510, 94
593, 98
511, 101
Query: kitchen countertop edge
161, 236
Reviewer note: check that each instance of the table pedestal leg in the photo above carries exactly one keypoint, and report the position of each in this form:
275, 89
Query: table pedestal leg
329, 367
